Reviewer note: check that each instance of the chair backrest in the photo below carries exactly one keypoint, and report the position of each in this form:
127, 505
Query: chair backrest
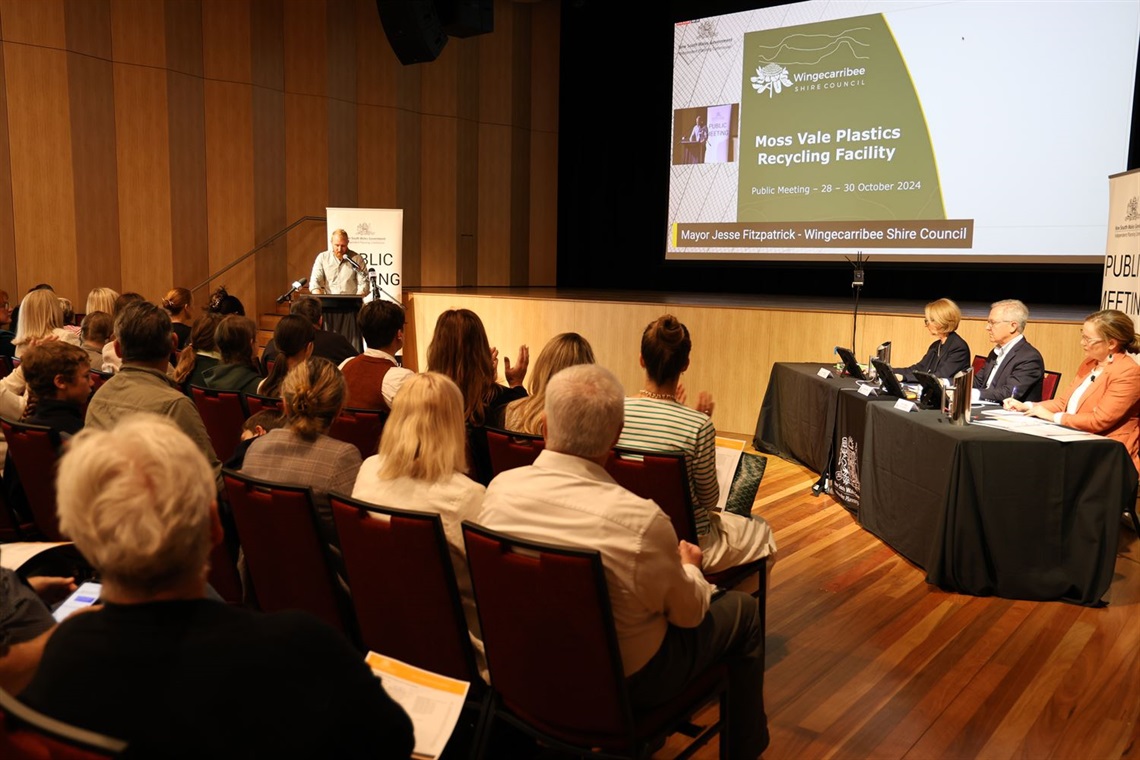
979, 362
26, 734
404, 591
98, 377
549, 634
255, 403
509, 450
5, 366
223, 413
1049, 384
661, 476
288, 562
33, 452
360, 427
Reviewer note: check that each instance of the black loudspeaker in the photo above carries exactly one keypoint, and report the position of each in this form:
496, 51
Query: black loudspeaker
413, 29
466, 18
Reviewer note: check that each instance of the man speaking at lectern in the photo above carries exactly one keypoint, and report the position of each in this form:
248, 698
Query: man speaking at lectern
339, 271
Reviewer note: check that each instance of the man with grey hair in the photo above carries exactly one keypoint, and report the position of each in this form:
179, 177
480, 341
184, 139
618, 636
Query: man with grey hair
166, 669
1013, 369
668, 628
144, 339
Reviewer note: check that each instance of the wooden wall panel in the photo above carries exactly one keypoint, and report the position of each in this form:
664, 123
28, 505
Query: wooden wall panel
8, 280
39, 134
377, 67
409, 184
496, 70
38, 23
226, 40
307, 41
494, 204
268, 68
542, 246
468, 200
544, 71
138, 32
306, 175
376, 157
438, 184
229, 165
143, 159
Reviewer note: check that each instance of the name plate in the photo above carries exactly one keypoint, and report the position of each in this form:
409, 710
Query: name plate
824, 372
866, 390
905, 406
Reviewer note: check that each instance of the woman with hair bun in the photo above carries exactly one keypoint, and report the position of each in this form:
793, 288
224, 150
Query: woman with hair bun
1105, 396
657, 420
177, 303
302, 453
563, 350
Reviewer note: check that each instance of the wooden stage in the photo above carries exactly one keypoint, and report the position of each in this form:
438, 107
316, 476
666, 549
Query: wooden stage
736, 338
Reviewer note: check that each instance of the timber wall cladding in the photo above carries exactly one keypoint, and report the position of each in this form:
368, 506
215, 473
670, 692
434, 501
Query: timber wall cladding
148, 143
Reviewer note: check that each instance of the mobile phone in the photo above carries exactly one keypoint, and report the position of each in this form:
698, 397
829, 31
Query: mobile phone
84, 596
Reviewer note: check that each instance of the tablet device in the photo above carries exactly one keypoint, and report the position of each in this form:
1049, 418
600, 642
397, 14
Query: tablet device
84, 596
891, 384
931, 396
850, 365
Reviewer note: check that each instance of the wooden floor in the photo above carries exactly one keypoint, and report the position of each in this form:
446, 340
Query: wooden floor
865, 660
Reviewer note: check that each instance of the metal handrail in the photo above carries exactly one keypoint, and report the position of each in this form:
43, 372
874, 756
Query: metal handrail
255, 249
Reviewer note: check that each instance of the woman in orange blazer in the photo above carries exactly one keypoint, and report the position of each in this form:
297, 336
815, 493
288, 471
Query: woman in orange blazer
1105, 397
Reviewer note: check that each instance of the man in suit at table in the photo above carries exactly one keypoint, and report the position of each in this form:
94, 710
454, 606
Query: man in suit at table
1014, 368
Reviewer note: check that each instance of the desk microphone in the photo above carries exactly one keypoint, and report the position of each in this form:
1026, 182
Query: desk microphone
296, 285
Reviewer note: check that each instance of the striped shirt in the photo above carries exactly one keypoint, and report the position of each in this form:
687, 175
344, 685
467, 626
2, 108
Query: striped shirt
660, 425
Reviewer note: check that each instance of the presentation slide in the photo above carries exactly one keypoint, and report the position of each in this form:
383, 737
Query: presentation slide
912, 131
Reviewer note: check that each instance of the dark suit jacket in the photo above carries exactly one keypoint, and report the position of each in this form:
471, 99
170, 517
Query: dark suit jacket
332, 346
1023, 369
942, 359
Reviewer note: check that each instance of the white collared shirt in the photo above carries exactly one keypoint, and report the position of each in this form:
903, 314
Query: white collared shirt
393, 378
1000, 352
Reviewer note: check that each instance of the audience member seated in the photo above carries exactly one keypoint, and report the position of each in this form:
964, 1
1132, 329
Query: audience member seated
236, 338
111, 359
294, 339
95, 333
327, 345
58, 376
101, 299
564, 350
174, 673
459, 349
1105, 396
15, 327
374, 377
68, 315
200, 353
1013, 369
26, 623
948, 354
255, 426
421, 467
6, 334
178, 303
667, 628
657, 420
41, 315
143, 340
221, 302
302, 453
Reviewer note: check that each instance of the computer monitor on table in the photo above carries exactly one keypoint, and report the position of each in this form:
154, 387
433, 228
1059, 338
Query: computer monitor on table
850, 365
932, 388
890, 383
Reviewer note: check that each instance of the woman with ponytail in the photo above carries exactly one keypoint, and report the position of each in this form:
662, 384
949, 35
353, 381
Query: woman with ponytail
177, 303
302, 453
200, 353
1105, 396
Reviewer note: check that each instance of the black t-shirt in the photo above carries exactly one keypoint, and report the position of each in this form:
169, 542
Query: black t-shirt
198, 678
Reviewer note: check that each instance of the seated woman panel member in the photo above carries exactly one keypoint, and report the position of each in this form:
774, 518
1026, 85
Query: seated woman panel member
1105, 397
658, 421
421, 466
948, 354
562, 351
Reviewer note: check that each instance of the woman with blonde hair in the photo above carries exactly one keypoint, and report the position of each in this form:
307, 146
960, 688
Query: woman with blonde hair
41, 315
302, 453
658, 420
421, 466
562, 351
177, 303
948, 354
101, 299
1105, 396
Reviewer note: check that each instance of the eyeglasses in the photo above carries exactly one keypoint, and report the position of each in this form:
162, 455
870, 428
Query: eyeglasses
992, 322
1087, 341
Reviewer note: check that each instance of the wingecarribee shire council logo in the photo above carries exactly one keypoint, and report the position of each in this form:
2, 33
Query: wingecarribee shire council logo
773, 75
772, 79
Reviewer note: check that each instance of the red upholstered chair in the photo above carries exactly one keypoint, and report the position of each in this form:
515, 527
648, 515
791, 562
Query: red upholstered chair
979, 362
663, 477
552, 649
33, 452
404, 592
26, 734
255, 403
1049, 385
289, 565
509, 450
223, 413
361, 428
98, 377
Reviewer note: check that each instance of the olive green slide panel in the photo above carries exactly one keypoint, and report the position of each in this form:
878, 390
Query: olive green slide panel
832, 129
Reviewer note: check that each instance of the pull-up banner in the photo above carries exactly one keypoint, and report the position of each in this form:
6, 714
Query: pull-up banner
377, 234
1121, 288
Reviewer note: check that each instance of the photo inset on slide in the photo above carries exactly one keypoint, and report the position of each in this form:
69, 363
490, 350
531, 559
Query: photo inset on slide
706, 135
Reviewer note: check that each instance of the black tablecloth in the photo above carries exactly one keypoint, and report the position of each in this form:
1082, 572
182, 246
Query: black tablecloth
986, 511
797, 418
